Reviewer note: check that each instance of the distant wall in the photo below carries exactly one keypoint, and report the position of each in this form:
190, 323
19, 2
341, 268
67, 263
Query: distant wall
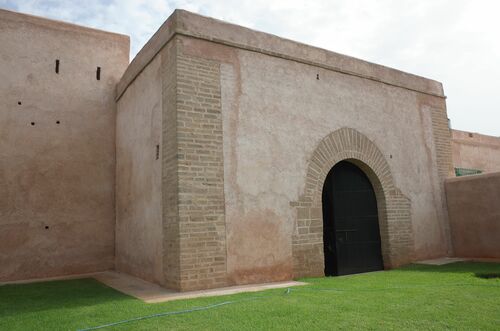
475, 151
57, 146
474, 212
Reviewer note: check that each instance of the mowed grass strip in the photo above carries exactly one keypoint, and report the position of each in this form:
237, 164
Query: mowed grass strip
416, 297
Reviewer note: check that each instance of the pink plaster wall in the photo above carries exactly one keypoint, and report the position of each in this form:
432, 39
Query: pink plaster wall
474, 212
57, 174
139, 231
275, 113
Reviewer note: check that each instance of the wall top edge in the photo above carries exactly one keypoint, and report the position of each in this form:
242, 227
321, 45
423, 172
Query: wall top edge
11, 16
188, 24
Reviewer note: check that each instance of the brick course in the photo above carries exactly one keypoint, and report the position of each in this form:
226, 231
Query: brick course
198, 237
441, 135
442, 142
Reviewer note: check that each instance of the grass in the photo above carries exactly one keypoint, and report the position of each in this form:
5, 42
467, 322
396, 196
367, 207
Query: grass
415, 297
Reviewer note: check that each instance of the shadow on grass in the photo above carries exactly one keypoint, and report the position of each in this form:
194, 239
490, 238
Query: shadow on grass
17, 299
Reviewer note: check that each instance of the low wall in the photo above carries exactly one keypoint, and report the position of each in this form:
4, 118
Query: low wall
474, 212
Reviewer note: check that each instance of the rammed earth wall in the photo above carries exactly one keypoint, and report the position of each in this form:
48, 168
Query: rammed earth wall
224, 137
57, 146
254, 124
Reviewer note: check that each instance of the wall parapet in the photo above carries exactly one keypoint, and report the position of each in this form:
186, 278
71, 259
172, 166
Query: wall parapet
196, 26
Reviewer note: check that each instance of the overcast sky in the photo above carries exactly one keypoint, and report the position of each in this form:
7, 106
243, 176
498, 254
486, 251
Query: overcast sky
456, 42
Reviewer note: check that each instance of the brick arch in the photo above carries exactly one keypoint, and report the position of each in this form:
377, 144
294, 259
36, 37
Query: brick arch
394, 208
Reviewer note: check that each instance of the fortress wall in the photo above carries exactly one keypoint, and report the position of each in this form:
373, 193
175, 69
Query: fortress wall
57, 146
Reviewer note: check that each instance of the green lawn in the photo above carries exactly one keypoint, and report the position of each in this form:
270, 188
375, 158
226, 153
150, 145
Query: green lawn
413, 297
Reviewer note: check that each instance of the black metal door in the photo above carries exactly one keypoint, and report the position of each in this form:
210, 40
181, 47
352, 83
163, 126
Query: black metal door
350, 221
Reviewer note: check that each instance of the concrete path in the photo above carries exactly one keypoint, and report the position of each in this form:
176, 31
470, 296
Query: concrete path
447, 260
152, 293
441, 261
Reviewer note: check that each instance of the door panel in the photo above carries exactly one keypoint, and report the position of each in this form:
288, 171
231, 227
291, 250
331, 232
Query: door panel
350, 219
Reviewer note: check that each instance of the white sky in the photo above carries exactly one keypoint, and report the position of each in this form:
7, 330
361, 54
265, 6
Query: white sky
456, 42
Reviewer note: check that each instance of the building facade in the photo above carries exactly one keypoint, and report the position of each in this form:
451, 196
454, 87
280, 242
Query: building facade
206, 166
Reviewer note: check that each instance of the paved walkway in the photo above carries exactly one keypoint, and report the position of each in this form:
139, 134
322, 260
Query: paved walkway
447, 260
152, 293
441, 261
